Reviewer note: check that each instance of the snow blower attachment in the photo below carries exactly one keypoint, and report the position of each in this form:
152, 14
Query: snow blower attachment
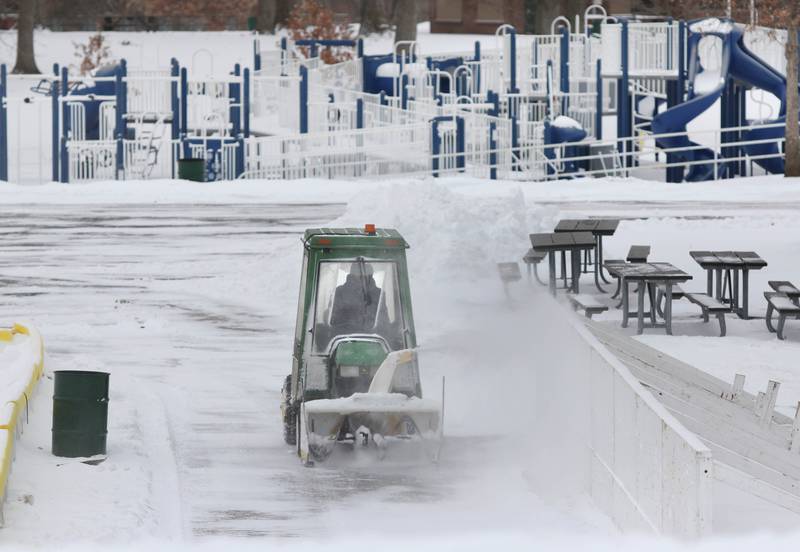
355, 377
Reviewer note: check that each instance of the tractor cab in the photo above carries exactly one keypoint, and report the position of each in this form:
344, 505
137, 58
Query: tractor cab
354, 313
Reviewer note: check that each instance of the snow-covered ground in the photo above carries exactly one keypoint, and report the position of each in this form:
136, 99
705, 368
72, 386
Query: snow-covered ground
186, 294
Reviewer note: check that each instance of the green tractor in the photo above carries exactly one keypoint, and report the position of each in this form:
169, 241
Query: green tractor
355, 377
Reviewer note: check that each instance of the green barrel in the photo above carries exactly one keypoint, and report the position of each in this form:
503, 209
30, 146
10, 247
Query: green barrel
192, 169
80, 413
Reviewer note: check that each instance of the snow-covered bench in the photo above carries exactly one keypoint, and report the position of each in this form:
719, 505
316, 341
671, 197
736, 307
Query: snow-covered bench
532, 259
709, 305
787, 288
588, 303
786, 309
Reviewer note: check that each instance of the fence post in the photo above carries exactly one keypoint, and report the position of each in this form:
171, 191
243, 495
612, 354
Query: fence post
404, 91
3, 124
55, 90
303, 99
65, 124
512, 69
359, 113
360, 48
493, 151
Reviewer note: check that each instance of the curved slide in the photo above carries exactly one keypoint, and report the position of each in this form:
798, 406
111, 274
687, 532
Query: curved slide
741, 64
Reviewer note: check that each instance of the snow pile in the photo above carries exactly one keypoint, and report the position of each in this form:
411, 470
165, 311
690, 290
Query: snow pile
18, 359
711, 25
562, 121
451, 235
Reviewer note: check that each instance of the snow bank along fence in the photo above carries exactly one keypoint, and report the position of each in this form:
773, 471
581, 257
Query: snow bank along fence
22, 372
583, 100
647, 471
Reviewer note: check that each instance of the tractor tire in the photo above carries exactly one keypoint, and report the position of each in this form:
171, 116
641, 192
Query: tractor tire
289, 413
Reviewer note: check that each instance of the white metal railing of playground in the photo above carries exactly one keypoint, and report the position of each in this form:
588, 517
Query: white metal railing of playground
346, 154
652, 49
149, 91
277, 96
641, 152
208, 102
346, 74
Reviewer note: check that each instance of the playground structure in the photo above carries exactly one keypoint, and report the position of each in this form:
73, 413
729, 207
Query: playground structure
611, 95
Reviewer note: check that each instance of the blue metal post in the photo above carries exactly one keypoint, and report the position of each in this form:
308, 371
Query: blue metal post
359, 113
3, 124
174, 72
119, 131
235, 110
55, 91
512, 86
284, 48
360, 48
564, 61
476, 71
303, 99
64, 162
256, 55
436, 147
624, 129
404, 91
461, 161
184, 104
246, 100
492, 98
598, 121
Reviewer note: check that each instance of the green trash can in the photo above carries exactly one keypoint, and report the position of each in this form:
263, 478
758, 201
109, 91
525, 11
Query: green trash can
80, 413
192, 169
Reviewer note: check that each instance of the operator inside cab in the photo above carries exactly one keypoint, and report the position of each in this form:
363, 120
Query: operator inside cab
355, 304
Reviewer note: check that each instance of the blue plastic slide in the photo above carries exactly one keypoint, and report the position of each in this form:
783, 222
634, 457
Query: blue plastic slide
675, 119
741, 64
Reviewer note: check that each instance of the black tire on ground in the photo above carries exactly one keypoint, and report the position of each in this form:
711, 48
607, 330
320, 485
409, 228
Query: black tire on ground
289, 414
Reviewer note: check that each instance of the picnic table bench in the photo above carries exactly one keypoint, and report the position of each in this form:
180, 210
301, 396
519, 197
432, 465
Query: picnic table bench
787, 288
785, 307
710, 305
588, 303
532, 258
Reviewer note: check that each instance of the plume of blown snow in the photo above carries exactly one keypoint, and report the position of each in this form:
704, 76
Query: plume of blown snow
451, 234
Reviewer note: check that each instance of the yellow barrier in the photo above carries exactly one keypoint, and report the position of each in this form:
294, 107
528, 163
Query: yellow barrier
19, 404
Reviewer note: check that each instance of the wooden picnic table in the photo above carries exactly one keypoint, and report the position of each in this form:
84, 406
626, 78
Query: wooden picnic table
572, 242
648, 276
599, 228
732, 263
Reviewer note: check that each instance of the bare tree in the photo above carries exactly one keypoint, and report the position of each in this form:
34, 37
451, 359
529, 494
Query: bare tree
26, 61
266, 17
405, 21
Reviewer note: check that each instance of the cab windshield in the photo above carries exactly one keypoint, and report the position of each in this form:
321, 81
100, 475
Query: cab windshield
357, 297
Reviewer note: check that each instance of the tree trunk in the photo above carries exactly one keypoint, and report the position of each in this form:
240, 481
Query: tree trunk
792, 167
26, 61
371, 17
266, 16
406, 21
282, 11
